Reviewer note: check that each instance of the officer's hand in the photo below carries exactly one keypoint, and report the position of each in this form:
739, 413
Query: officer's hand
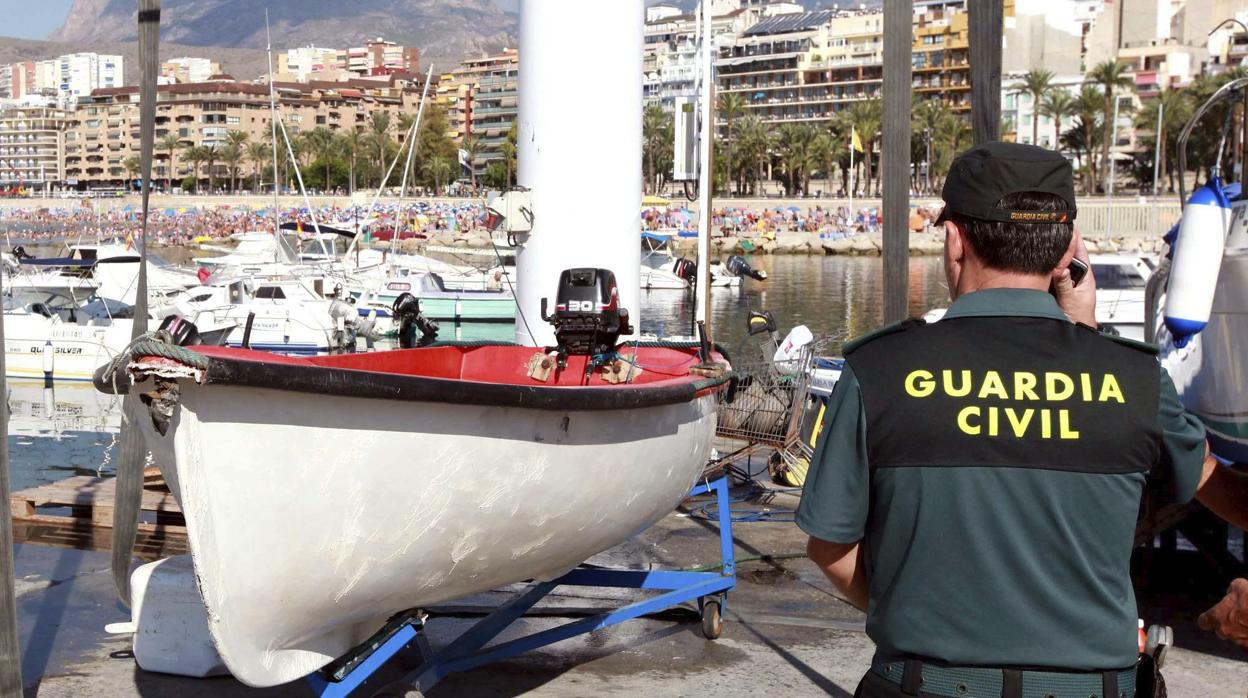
1229, 619
1078, 302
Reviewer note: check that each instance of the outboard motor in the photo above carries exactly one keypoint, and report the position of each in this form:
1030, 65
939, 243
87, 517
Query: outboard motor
183, 332
588, 319
20, 253
348, 325
686, 269
737, 266
410, 320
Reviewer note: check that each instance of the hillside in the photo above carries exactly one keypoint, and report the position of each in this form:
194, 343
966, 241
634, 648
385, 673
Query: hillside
445, 30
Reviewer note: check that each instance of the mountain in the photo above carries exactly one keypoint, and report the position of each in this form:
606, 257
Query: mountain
242, 63
446, 31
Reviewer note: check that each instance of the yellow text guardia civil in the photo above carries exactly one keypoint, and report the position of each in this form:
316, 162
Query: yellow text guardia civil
1018, 386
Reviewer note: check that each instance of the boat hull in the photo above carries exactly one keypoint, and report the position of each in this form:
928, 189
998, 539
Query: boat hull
77, 350
303, 547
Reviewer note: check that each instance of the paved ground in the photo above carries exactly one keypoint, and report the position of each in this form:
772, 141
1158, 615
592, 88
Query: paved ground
787, 634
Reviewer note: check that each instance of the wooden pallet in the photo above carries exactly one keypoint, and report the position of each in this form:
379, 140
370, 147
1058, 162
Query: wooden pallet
78, 512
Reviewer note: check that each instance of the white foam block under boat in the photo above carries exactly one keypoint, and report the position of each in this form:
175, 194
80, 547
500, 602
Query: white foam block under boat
314, 515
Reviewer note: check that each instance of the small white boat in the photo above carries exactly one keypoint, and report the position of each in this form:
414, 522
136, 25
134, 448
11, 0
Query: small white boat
289, 316
70, 342
324, 494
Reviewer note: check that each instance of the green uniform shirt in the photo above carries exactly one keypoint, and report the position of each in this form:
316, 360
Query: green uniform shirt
944, 547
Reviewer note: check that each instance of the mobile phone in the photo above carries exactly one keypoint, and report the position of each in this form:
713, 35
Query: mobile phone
1078, 269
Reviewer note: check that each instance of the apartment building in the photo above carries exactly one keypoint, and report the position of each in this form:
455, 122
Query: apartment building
480, 101
104, 130
188, 69
32, 143
377, 57
804, 67
940, 58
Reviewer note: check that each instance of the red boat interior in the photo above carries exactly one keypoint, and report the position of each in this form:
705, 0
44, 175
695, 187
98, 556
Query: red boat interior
499, 364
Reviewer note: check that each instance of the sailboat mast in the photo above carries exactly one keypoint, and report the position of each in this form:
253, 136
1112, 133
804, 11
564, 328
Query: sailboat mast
272, 120
705, 181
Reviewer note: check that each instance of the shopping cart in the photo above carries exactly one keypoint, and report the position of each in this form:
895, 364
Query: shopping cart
767, 404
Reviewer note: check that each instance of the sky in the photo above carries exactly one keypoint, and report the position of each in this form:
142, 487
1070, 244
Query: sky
32, 20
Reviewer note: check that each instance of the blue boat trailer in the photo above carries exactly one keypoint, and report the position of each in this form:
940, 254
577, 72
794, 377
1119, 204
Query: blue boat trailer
469, 650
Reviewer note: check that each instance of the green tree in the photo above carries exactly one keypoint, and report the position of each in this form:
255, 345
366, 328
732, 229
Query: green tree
1088, 111
170, 144
233, 153
324, 147
731, 106
350, 144
1057, 104
867, 116
509, 150
379, 136
1036, 82
656, 135
195, 155
755, 142
1174, 113
133, 165
211, 153
797, 157
434, 142
259, 155
438, 170
1111, 76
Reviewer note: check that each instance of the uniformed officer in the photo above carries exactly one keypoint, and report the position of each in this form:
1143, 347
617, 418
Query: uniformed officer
977, 481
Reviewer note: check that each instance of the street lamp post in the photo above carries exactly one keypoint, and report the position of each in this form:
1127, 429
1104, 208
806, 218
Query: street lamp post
1161, 108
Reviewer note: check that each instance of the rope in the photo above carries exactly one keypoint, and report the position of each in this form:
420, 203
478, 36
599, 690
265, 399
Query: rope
151, 344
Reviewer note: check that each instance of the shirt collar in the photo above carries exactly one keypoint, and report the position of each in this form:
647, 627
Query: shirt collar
1007, 302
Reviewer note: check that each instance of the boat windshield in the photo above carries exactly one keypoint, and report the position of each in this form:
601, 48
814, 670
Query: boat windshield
1117, 277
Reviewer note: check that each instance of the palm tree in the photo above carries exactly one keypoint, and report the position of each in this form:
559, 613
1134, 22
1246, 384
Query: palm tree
1110, 75
405, 123
755, 141
438, 169
1088, 110
133, 165
259, 155
1057, 105
232, 153
731, 105
797, 156
169, 143
866, 117
655, 130
473, 147
195, 156
1037, 83
350, 144
509, 150
379, 134
926, 124
211, 153
1174, 114
320, 142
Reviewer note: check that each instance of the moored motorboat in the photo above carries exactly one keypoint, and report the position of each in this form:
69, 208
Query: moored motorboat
427, 474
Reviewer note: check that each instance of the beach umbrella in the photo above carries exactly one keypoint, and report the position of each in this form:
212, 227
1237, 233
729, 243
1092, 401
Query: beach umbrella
794, 209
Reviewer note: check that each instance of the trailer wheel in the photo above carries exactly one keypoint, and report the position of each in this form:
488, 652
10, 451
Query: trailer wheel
712, 620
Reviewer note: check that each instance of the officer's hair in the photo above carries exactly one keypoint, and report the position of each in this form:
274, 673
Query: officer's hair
1028, 248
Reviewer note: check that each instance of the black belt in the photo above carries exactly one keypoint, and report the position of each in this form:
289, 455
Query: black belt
982, 682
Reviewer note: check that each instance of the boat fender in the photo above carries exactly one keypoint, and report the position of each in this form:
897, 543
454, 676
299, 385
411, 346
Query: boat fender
49, 359
855, 344
1197, 251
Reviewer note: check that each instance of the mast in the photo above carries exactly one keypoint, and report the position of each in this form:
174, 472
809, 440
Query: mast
583, 168
702, 302
272, 120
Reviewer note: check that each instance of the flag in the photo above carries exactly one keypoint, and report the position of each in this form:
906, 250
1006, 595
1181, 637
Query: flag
203, 274
855, 141
129, 241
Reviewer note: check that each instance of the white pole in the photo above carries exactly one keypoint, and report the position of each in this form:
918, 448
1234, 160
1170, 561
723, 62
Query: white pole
586, 189
272, 122
1109, 201
705, 179
852, 133
1161, 108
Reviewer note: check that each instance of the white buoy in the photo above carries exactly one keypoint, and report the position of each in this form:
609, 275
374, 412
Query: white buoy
1196, 261
49, 361
579, 150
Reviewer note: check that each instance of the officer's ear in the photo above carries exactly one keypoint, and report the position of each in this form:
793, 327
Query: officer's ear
955, 248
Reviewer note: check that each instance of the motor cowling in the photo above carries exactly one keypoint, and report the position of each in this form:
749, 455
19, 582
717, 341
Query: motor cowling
737, 266
686, 269
588, 319
410, 320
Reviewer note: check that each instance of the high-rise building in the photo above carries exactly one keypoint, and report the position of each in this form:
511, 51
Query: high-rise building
480, 101
32, 143
189, 69
310, 63
940, 58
